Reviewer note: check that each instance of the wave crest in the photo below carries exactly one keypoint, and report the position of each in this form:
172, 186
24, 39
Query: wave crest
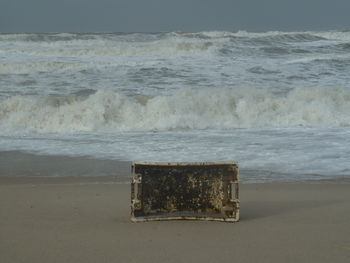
187, 109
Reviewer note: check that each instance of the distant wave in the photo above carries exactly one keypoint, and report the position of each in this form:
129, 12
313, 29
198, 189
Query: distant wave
322, 58
184, 110
67, 37
292, 36
32, 53
25, 57
64, 66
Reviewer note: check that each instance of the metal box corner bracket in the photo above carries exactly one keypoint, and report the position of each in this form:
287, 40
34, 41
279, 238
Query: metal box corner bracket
197, 191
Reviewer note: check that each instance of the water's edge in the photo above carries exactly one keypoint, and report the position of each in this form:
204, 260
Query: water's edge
34, 169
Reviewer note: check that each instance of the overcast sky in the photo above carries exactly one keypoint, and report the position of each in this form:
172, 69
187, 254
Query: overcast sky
172, 15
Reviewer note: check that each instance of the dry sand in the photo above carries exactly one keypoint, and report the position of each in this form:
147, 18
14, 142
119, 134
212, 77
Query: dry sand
86, 219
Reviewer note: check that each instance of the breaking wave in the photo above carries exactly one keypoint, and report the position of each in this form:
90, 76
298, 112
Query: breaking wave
185, 110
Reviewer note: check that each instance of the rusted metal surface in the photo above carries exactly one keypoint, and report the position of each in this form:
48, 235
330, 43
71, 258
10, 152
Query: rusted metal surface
199, 191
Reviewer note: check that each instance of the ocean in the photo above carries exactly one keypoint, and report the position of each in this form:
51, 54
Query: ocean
276, 102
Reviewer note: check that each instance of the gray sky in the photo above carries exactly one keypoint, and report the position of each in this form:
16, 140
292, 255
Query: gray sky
172, 15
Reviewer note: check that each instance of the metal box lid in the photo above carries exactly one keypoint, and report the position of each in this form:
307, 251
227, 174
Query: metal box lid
197, 191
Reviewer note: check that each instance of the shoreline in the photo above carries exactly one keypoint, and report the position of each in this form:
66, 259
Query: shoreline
23, 164
125, 180
57, 168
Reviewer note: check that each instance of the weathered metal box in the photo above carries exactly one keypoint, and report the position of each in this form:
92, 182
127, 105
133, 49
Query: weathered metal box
198, 191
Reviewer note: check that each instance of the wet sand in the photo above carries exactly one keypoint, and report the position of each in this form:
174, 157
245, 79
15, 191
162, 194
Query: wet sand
86, 219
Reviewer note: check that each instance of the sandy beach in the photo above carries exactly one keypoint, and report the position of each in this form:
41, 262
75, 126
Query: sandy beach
86, 219
89, 87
